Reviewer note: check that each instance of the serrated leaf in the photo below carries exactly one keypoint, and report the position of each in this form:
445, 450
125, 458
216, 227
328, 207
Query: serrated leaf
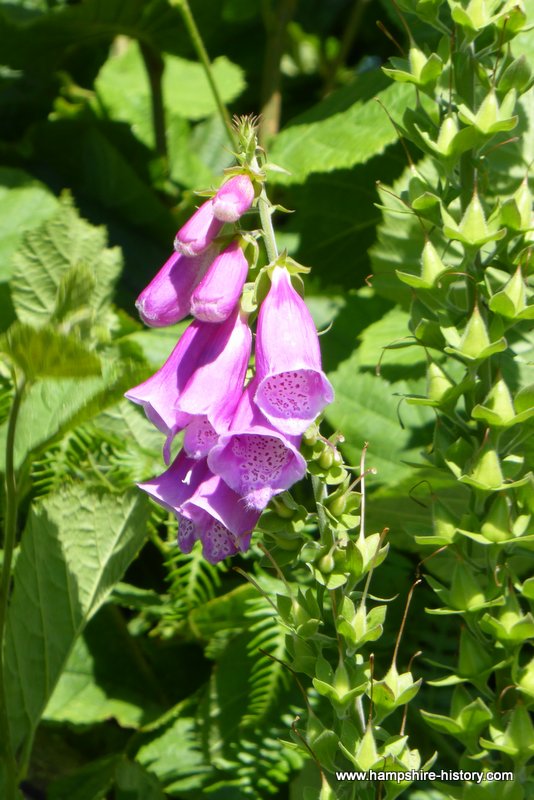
102, 679
49, 252
186, 90
52, 407
365, 409
346, 129
173, 754
45, 353
25, 204
75, 547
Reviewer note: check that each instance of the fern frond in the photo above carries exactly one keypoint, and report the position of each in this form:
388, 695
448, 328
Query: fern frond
193, 581
267, 648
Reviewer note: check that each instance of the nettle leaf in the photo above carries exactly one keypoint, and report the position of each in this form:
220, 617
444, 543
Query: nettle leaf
44, 353
186, 89
173, 753
103, 678
25, 203
346, 129
49, 253
51, 407
94, 781
75, 547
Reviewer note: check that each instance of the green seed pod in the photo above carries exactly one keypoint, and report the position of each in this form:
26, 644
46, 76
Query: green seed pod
496, 525
326, 564
326, 459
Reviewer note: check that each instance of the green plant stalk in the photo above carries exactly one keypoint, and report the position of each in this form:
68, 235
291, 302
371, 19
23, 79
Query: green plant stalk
10, 534
271, 104
155, 66
202, 53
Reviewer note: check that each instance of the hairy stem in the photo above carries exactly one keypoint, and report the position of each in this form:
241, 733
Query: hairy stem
10, 533
202, 53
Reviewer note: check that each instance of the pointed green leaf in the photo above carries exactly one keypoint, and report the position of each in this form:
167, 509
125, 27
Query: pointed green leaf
76, 546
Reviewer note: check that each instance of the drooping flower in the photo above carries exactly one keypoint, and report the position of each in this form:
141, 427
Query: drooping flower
292, 387
233, 198
206, 508
201, 381
253, 457
230, 202
167, 298
219, 290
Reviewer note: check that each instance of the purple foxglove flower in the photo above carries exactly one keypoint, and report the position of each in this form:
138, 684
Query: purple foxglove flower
200, 382
231, 201
167, 298
207, 509
218, 292
254, 458
292, 388
177, 484
233, 198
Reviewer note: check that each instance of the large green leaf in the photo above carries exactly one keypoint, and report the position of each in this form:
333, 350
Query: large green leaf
173, 754
105, 678
369, 408
45, 353
25, 204
43, 40
75, 547
52, 407
104, 162
122, 87
335, 219
127, 778
49, 252
346, 129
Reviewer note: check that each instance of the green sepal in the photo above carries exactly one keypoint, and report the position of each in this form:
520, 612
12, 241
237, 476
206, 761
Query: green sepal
418, 69
490, 117
510, 626
359, 626
517, 739
517, 75
473, 230
511, 301
475, 344
393, 691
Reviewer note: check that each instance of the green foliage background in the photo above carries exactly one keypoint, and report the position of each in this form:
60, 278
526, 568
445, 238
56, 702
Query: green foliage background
133, 671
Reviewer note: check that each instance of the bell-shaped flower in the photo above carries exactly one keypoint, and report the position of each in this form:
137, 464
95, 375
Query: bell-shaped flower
292, 387
206, 508
167, 298
229, 203
201, 381
254, 458
218, 292
233, 198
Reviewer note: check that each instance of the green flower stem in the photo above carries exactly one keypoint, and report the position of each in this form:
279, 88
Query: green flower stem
266, 212
10, 533
198, 44
319, 493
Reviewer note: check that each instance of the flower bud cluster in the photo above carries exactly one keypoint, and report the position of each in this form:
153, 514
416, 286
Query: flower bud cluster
240, 439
